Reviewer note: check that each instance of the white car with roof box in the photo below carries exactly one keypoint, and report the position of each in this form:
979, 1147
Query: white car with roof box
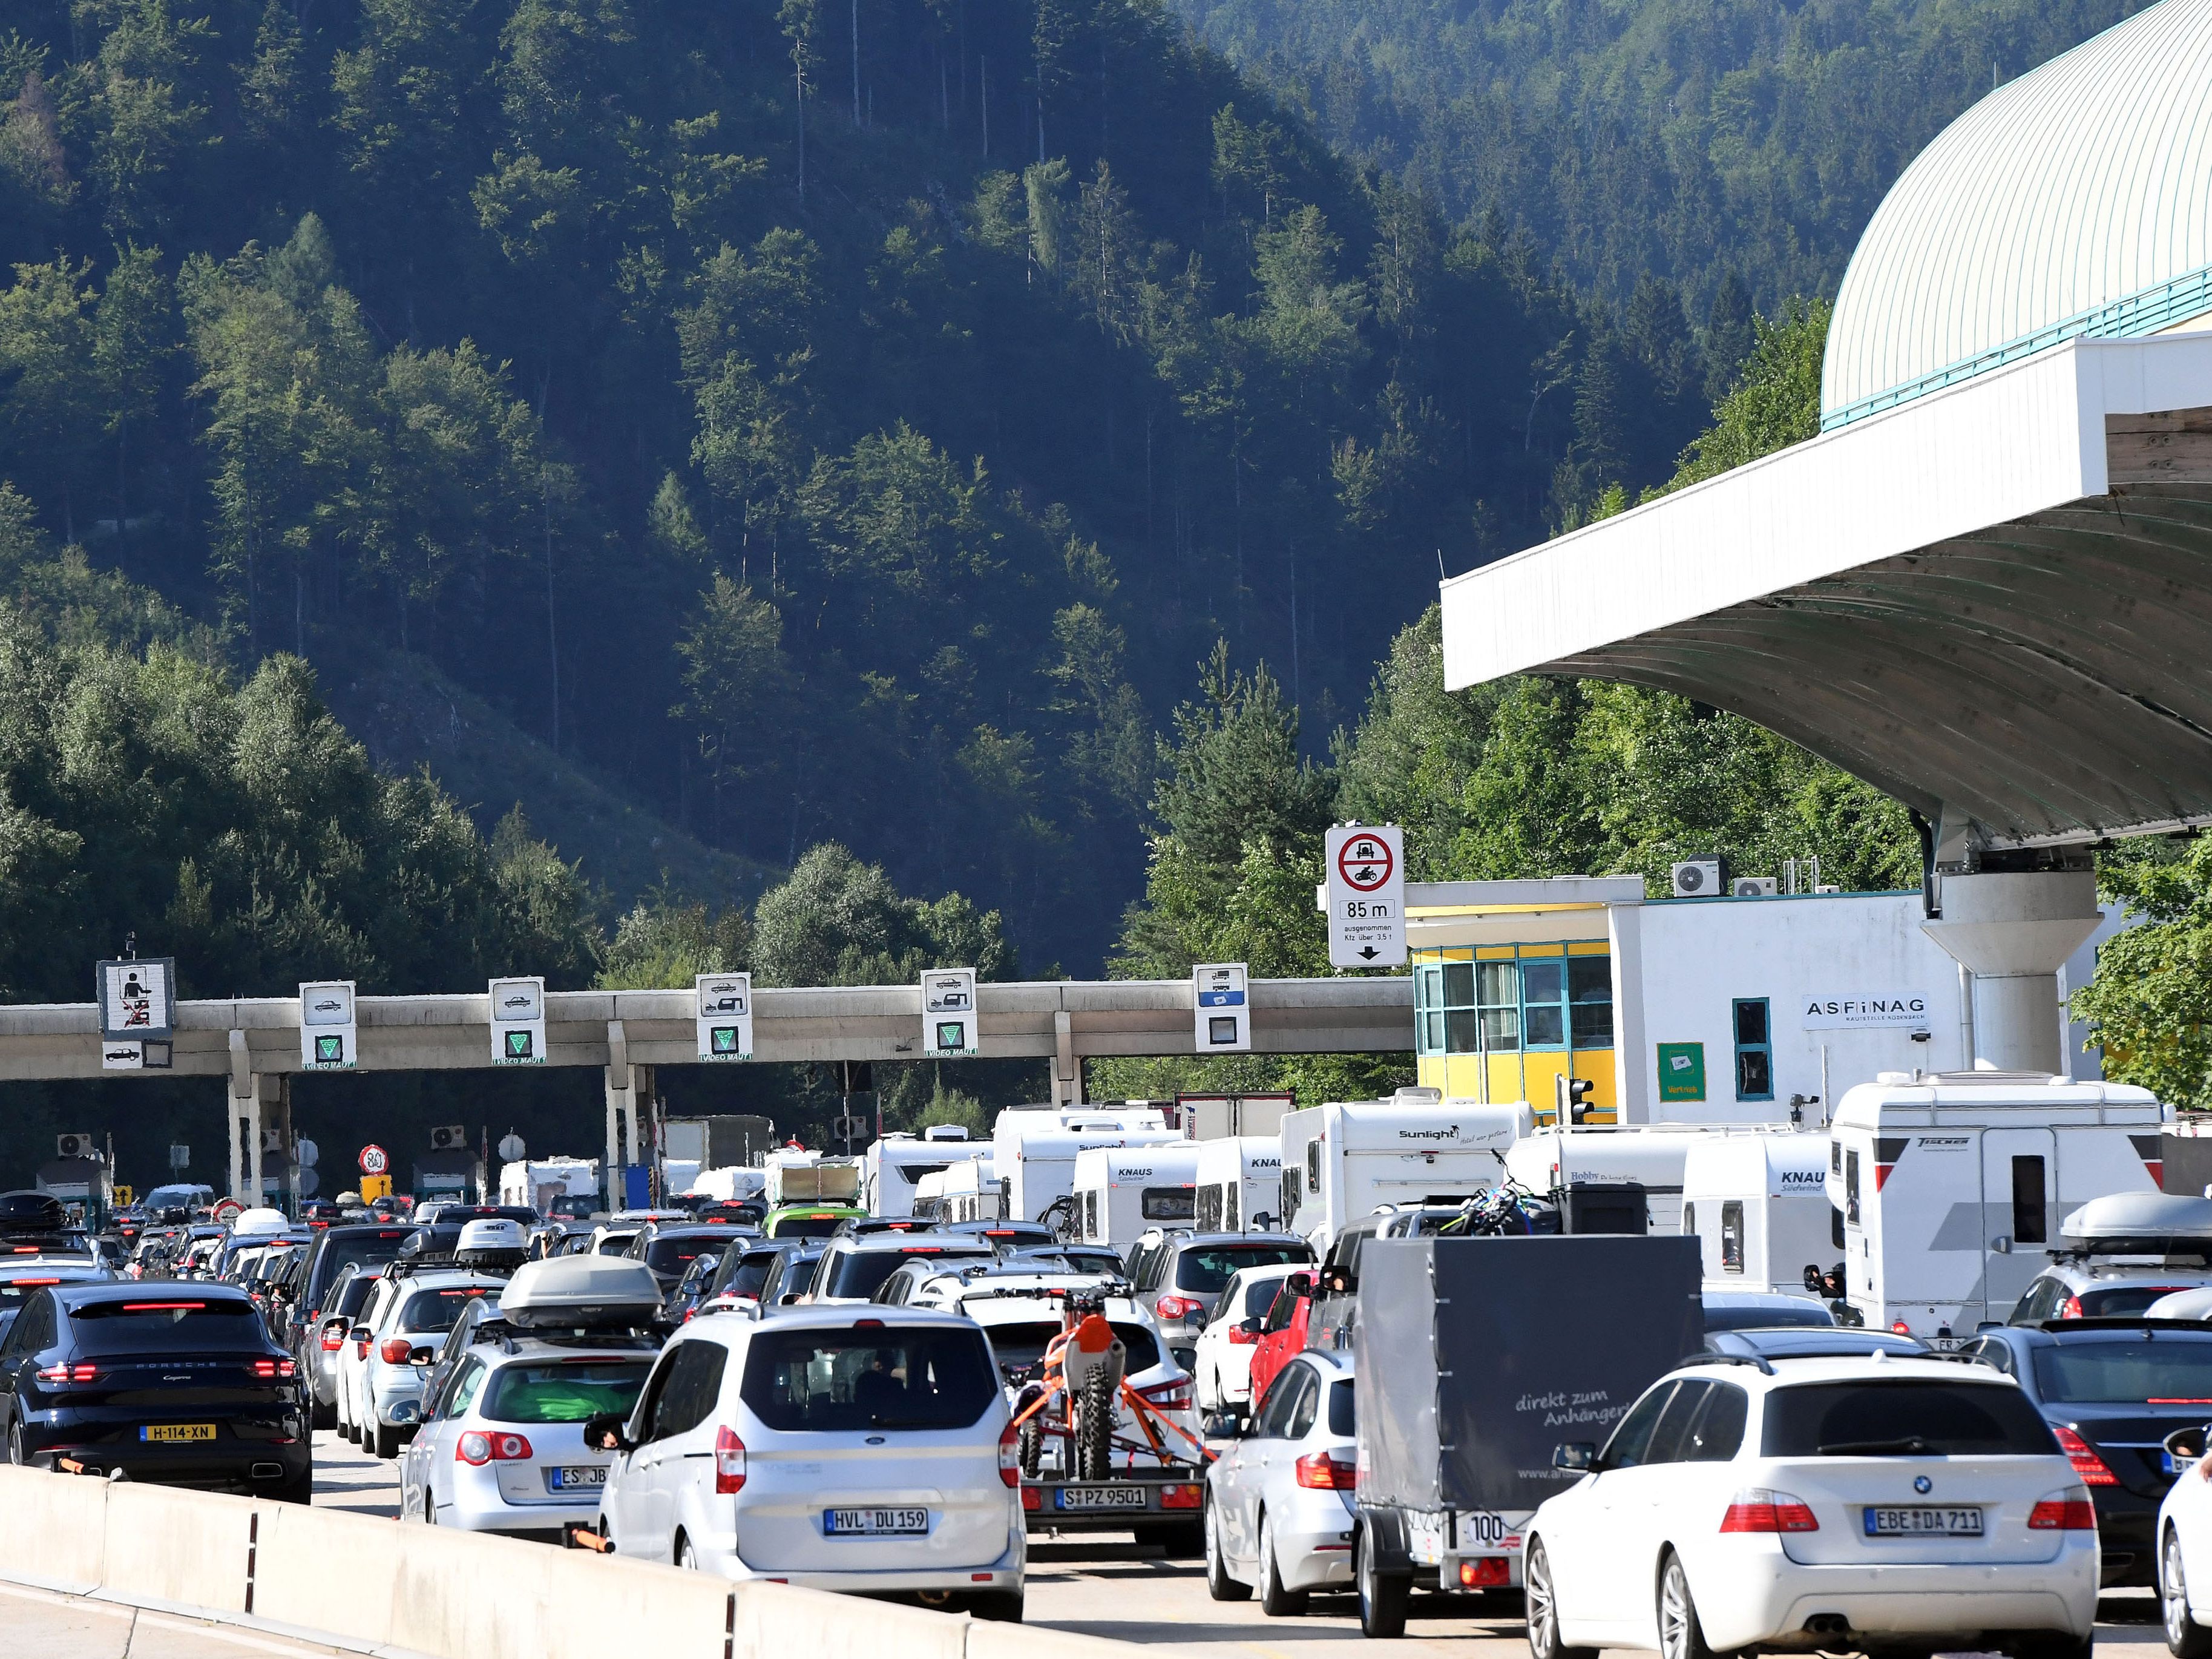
1818, 1504
2118, 1257
861, 1450
501, 1447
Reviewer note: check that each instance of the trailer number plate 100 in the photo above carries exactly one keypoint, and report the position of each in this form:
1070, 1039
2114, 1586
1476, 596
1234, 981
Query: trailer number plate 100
1482, 1527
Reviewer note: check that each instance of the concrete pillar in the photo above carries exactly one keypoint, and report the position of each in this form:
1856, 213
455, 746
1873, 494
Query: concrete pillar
618, 1087
274, 1091
1067, 1069
2013, 931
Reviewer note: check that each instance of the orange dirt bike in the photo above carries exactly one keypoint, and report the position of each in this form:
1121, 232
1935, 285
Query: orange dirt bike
1077, 1394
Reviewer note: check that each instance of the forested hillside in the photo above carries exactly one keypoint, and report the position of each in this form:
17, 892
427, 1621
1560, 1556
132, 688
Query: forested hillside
1685, 141
810, 420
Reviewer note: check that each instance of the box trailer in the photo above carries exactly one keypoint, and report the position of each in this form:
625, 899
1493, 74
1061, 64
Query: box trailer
1240, 1184
1475, 1358
1757, 1203
1120, 1191
1952, 1185
1352, 1158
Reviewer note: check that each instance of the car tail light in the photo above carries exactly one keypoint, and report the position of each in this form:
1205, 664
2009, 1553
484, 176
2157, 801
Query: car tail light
334, 1339
1325, 1473
1032, 1497
65, 1375
1177, 1307
1182, 1495
272, 1370
2065, 1511
395, 1350
1486, 1572
729, 1460
477, 1449
1010, 1454
1758, 1510
2070, 1308
2083, 1456
1171, 1396
1900, 1327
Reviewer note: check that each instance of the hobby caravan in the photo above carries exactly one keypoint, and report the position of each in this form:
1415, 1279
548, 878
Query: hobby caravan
1953, 1185
1651, 1155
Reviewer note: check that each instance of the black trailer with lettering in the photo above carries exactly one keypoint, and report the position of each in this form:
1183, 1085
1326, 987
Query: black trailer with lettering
1476, 1356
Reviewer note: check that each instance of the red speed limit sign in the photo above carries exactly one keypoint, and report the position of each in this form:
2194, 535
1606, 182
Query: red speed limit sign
374, 1160
1366, 870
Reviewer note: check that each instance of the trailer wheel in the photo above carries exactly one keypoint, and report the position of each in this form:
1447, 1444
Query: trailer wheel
1094, 1425
1383, 1595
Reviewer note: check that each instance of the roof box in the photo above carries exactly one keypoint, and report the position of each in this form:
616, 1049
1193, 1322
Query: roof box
580, 1290
259, 1222
2140, 1224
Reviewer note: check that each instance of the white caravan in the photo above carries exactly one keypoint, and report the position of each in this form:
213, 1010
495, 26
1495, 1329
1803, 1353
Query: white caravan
969, 1191
1953, 1185
1217, 1117
1757, 1203
1653, 1154
892, 1166
1352, 1158
538, 1182
1039, 1167
1120, 1191
1240, 1181
728, 1184
1014, 1122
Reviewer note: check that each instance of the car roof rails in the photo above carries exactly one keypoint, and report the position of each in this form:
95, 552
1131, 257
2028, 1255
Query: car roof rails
2111, 1323
1757, 1362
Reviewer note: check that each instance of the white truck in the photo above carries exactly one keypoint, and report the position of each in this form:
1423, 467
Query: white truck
893, 1165
1240, 1181
1120, 1191
1757, 1202
1953, 1185
538, 1182
1651, 1154
1349, 1158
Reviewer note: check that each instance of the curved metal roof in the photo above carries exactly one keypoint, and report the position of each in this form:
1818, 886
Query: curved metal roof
2077, 200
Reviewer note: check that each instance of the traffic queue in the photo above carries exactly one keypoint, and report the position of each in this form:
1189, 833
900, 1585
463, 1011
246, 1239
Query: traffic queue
1360, 1366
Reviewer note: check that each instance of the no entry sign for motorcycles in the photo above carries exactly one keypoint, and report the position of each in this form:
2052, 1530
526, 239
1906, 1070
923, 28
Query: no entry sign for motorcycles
1366, 894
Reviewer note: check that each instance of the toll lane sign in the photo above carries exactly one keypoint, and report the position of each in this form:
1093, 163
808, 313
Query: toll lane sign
1366, 882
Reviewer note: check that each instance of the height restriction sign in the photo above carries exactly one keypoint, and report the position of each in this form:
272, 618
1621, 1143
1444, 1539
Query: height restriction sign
1366, 870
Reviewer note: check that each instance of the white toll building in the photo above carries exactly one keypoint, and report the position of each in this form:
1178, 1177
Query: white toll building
1709, 1008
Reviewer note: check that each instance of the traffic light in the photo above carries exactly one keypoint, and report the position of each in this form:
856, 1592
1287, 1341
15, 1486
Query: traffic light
1572, 1097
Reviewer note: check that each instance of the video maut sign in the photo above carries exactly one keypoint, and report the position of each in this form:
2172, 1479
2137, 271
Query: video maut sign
518, 1022
726, 1016
949, 1025
329, 1039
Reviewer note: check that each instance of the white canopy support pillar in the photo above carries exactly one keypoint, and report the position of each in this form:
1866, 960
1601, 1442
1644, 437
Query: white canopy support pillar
621, 1108
242, 1124
2013, 930
274, 1092
1067, 1069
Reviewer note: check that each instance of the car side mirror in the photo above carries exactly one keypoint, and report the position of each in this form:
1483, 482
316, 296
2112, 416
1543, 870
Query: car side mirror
1253, 1326
788, 1299
1577, 1457
605, 1432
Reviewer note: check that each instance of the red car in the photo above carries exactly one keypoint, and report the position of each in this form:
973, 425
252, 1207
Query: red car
1282, 1332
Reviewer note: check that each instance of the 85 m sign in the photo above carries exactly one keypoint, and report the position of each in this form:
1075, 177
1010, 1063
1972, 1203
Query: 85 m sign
1365, 867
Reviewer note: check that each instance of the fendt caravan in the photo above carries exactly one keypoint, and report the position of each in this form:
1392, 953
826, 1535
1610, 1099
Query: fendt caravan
1953, 1185
1120, 1191
1757, 1202
1240, 1184
1352, 1159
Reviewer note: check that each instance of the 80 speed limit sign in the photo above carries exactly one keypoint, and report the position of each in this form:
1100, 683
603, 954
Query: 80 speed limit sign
1366, 891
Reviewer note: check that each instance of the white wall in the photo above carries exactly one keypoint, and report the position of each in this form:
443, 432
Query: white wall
1698, 955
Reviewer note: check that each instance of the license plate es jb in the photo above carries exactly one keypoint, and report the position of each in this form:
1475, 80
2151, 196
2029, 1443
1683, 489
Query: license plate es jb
576, 1477
176, 1432
1919, 1521
875, 1524
1099, 1498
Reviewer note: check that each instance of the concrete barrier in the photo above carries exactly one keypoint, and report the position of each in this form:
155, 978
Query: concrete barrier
408, 1591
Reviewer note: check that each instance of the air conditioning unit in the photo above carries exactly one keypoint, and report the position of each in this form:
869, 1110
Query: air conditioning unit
1754, 887
75, 1146
1697, 878
449, 1137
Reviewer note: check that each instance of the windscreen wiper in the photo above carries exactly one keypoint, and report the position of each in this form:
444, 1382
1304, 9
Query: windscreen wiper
1911, 1443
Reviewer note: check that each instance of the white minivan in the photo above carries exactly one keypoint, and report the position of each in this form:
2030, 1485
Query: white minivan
872, 1454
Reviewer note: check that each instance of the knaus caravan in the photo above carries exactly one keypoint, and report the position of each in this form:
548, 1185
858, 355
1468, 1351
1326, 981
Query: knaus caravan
1952, 1185
1039, 1168
1352, 1159
1240, 1184
1757, 1203
1650, 1154
1120, 1191
892, 1166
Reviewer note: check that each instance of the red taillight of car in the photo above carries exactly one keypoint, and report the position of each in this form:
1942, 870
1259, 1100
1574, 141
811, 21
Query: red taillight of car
2070, 1308
1183, 1495
1032, 1497
729, 1460
1758, 1510
2063, 1513
477, 1449
395, 1350
275, 1371
1010, 1454
1177, 1307
2083, 1456
1325, 1473
1173, 1396
1486, 1572
63, 1376
334, 1339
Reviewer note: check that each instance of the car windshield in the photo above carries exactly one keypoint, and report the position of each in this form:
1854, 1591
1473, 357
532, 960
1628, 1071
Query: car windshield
806, 1226
437, 1309
746, 1276
1022, 1345
176, 1324
1906, 1417
2163, 1371
669, 1257
932, 1377
2123, 1301
1205, 1269
564, 1391
1723, 1317
1341, 1421
367, 1249
861, 1273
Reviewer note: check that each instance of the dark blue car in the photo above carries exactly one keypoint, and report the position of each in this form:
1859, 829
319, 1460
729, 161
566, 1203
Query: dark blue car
2112, 1389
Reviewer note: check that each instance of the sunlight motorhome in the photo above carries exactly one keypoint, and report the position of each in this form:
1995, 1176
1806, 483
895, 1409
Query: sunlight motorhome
1120, 1191
1757, 1202
893, 1165
1352, 1159
1240, 1183
1953, 1185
